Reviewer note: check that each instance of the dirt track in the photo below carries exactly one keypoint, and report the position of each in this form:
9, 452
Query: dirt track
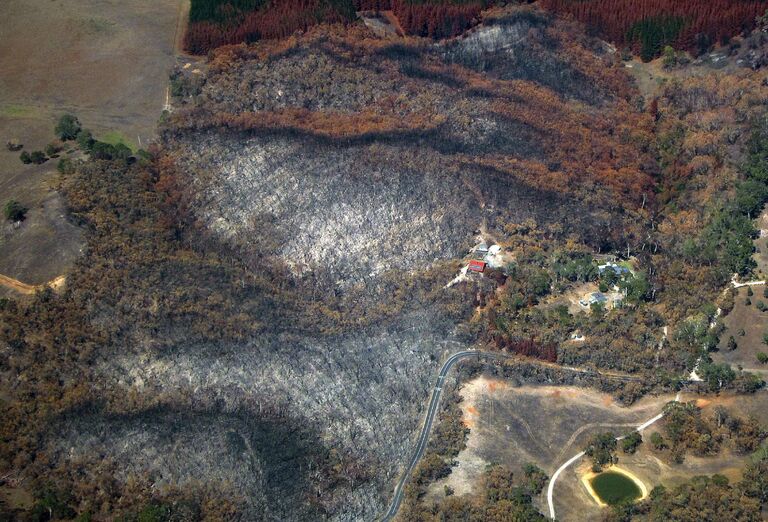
24, 288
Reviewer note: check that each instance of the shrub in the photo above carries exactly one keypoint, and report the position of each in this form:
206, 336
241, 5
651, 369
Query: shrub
732, 343
630, 443
65, 166
762, 357
25, 158
657, 441
38, 157
51, 149
85, 140
14, 211
67, 127
750, 292
761, 306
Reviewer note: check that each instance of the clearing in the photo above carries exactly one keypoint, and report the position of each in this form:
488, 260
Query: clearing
746, 323
106, 62
546, 425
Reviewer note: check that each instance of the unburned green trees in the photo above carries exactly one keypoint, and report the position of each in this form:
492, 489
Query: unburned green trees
14, 211
67, 127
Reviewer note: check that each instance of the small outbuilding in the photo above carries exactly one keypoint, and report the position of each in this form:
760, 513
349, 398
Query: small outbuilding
476, 266
593, 298
613, 267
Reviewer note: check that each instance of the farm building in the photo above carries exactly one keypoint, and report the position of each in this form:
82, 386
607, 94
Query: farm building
476, 266
481, 249
593, 298
613, 267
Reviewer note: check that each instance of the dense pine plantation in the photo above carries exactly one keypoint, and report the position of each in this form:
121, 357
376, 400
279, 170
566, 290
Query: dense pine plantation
214, 23
648, 25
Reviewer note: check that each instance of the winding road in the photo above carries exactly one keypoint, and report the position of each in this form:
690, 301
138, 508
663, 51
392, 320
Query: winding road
434, 402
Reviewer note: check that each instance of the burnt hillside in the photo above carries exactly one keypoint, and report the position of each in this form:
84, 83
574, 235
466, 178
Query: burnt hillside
349, 149
261, 307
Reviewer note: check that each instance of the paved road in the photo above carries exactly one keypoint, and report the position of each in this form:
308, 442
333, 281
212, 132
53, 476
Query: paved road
434, 402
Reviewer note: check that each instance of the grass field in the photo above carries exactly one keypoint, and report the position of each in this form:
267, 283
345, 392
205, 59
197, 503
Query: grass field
19, 111
115, 137
107, 63
545, 425
746, 323
614, 488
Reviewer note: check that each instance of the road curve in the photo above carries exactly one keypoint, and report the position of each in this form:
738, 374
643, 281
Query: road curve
425, 430
434, 402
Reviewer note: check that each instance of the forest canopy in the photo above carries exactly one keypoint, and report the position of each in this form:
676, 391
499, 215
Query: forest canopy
645, 26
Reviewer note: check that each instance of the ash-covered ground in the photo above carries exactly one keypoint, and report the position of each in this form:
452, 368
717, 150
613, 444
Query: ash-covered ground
317, 425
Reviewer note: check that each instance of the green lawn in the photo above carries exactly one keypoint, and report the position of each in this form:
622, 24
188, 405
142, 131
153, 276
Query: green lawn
115, 137
19, 111
614, 488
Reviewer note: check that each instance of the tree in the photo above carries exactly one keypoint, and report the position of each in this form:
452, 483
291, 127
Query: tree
657, 441
755, 480
601, 448
636, 286
670, 56
535, 478
762, 22
121, 151
731, 345
51, 149
14, 211
85, 140
630, 443
67, 127
717, 376
38, 157
25, 158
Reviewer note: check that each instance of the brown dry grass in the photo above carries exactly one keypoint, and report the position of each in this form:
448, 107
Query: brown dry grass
106, 62
547, 424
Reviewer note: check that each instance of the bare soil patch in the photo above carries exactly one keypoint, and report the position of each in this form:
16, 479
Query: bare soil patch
546, 425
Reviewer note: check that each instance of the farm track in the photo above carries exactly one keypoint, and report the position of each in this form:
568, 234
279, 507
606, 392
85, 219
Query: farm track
26, 289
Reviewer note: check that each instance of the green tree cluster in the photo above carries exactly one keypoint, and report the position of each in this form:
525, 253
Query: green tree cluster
67, 127
654, 33
14, 211
601, 448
